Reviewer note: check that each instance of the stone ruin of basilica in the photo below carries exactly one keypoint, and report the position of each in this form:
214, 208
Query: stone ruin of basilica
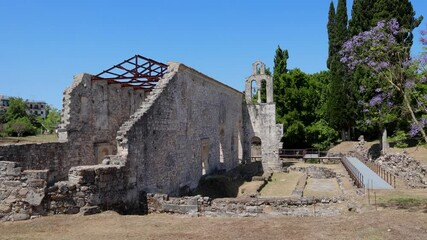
137, 128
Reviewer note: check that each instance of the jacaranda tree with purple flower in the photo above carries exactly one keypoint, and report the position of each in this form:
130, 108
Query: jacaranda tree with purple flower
399, 78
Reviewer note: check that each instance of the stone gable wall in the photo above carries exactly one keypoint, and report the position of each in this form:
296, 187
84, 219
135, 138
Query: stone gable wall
163, 141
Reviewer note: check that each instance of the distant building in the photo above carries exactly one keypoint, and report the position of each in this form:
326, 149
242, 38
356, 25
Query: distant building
33, 107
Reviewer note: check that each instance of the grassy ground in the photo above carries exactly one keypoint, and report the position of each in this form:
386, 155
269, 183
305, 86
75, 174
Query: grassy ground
281, 185
384, 224
322, 187
30, 139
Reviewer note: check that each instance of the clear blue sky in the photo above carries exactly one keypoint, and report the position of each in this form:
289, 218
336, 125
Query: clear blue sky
44, 43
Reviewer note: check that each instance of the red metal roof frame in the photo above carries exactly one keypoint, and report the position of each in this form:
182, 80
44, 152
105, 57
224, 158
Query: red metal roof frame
138, 72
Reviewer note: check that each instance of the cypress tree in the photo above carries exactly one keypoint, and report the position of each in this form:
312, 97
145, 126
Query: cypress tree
361, 16
341, 103
403, 11
280, 68
331, 33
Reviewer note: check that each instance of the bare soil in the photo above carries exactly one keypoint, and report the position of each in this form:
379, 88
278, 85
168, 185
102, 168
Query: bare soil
385, 224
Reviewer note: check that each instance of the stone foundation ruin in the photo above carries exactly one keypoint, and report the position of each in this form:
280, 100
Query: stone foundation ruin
119, 140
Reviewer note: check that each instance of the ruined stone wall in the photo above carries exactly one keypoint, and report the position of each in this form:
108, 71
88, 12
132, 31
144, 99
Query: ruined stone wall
260, 121
93, 112
193, 127
39, 156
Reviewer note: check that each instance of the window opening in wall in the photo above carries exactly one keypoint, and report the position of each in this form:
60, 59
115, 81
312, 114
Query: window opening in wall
256, 153
205, 156
263, 91
221, 146
254, 91
258, 68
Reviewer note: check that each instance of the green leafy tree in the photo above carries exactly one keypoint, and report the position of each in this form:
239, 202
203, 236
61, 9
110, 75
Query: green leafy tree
52, 120
365, 15
381, 52
20, 127
17, 109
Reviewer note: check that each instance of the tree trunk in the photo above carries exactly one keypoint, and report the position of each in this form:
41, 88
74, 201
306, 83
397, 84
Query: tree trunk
408, 105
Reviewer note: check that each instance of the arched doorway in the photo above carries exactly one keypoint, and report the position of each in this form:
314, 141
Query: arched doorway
256, 152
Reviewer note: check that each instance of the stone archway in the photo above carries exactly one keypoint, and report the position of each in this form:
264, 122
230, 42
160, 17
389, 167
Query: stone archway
256, 150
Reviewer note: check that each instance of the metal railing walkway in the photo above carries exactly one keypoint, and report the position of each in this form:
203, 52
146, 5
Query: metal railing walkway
368, 177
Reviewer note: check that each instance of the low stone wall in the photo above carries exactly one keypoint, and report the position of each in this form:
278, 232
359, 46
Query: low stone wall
315, 172
39, 156
90, 189
242, 207
21, 192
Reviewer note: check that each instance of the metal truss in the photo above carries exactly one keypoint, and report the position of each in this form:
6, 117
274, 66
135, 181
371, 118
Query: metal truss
137, 72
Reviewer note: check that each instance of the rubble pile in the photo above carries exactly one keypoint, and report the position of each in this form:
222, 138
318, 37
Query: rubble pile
360, 148
406, 167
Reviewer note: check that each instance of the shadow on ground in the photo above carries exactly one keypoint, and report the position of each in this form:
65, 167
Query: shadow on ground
221, 185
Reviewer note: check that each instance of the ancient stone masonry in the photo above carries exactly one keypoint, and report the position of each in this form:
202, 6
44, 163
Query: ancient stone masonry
410, 170
198, 123
242, 207
260, 119
117, 142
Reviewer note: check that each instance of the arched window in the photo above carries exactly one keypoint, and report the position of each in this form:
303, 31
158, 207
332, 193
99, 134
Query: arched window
254, 91
263, 91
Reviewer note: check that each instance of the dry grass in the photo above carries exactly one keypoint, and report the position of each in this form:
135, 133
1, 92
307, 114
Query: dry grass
322, 188
384, 224
281, 184
30, 139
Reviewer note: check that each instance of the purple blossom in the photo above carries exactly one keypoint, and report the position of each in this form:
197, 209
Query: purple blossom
365, 110
423, 32
377, 90
407, 63
414, 130
377, 100
394, 26
409, 84
381, 65
423, 79
390, 103
378, 37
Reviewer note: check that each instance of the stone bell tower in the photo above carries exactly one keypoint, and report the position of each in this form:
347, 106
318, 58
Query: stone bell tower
262, 134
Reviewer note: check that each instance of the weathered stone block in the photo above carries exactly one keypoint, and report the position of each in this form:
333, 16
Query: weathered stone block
36, 174
89, 210
34, 198
5, 208
19, 216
